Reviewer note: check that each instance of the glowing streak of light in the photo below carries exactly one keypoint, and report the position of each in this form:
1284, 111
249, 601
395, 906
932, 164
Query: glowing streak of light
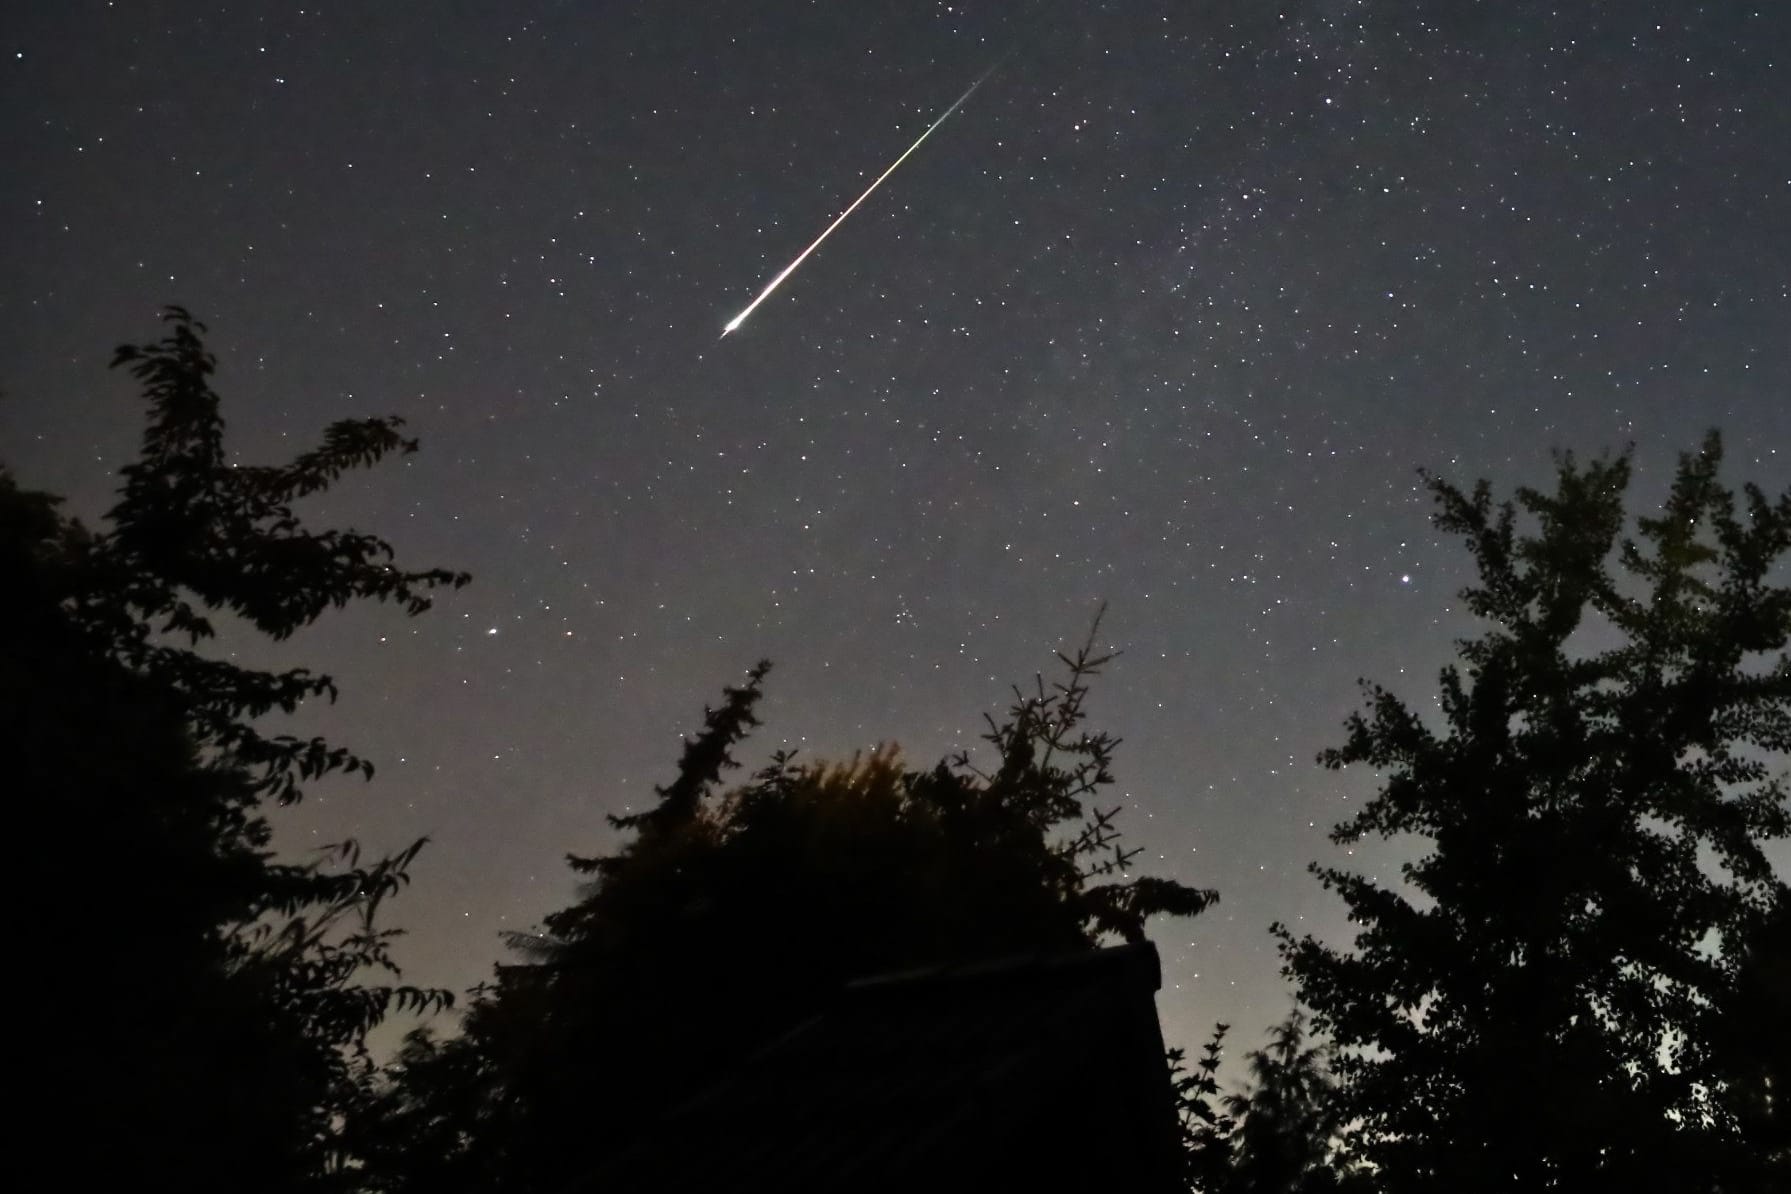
789, 269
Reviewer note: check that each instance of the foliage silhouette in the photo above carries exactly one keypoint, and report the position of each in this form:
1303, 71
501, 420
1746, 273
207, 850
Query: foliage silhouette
1205, 1127
1751, 1054
1543, 1005
1284, 1135
1289, 1129
190, 526
727, 917
209, 1013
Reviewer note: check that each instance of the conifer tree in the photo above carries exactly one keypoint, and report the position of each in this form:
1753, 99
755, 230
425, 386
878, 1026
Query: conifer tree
1540, 1005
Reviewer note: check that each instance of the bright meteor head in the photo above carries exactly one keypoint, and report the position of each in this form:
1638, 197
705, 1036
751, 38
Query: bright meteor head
734, 323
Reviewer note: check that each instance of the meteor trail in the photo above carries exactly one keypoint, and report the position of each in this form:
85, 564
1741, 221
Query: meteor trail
841, 218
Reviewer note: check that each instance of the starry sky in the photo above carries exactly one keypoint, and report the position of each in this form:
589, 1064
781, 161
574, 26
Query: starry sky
1167, 315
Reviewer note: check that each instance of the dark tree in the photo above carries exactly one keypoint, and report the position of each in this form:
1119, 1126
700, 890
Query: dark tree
1751, 1054
195, 1003
1289, 1123
1200, 1112
728, 916
1544, 1003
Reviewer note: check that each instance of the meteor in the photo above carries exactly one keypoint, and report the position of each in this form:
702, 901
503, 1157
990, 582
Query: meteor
789, 269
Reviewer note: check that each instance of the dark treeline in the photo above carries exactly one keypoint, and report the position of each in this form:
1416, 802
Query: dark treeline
1579, 983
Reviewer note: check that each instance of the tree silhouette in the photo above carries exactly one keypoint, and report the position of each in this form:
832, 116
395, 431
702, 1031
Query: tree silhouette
207, 1002
1751, 1053
729, 916
1540, 1005
1206, 1129
1289, 1121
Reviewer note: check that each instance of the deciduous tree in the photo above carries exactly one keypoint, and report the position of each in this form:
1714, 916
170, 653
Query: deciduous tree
1541, 1004
195, 1003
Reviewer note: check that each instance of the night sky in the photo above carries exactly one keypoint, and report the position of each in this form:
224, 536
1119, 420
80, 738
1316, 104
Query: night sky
1167, 314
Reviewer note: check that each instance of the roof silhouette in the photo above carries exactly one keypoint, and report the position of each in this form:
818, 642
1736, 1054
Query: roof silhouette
1035, 1072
